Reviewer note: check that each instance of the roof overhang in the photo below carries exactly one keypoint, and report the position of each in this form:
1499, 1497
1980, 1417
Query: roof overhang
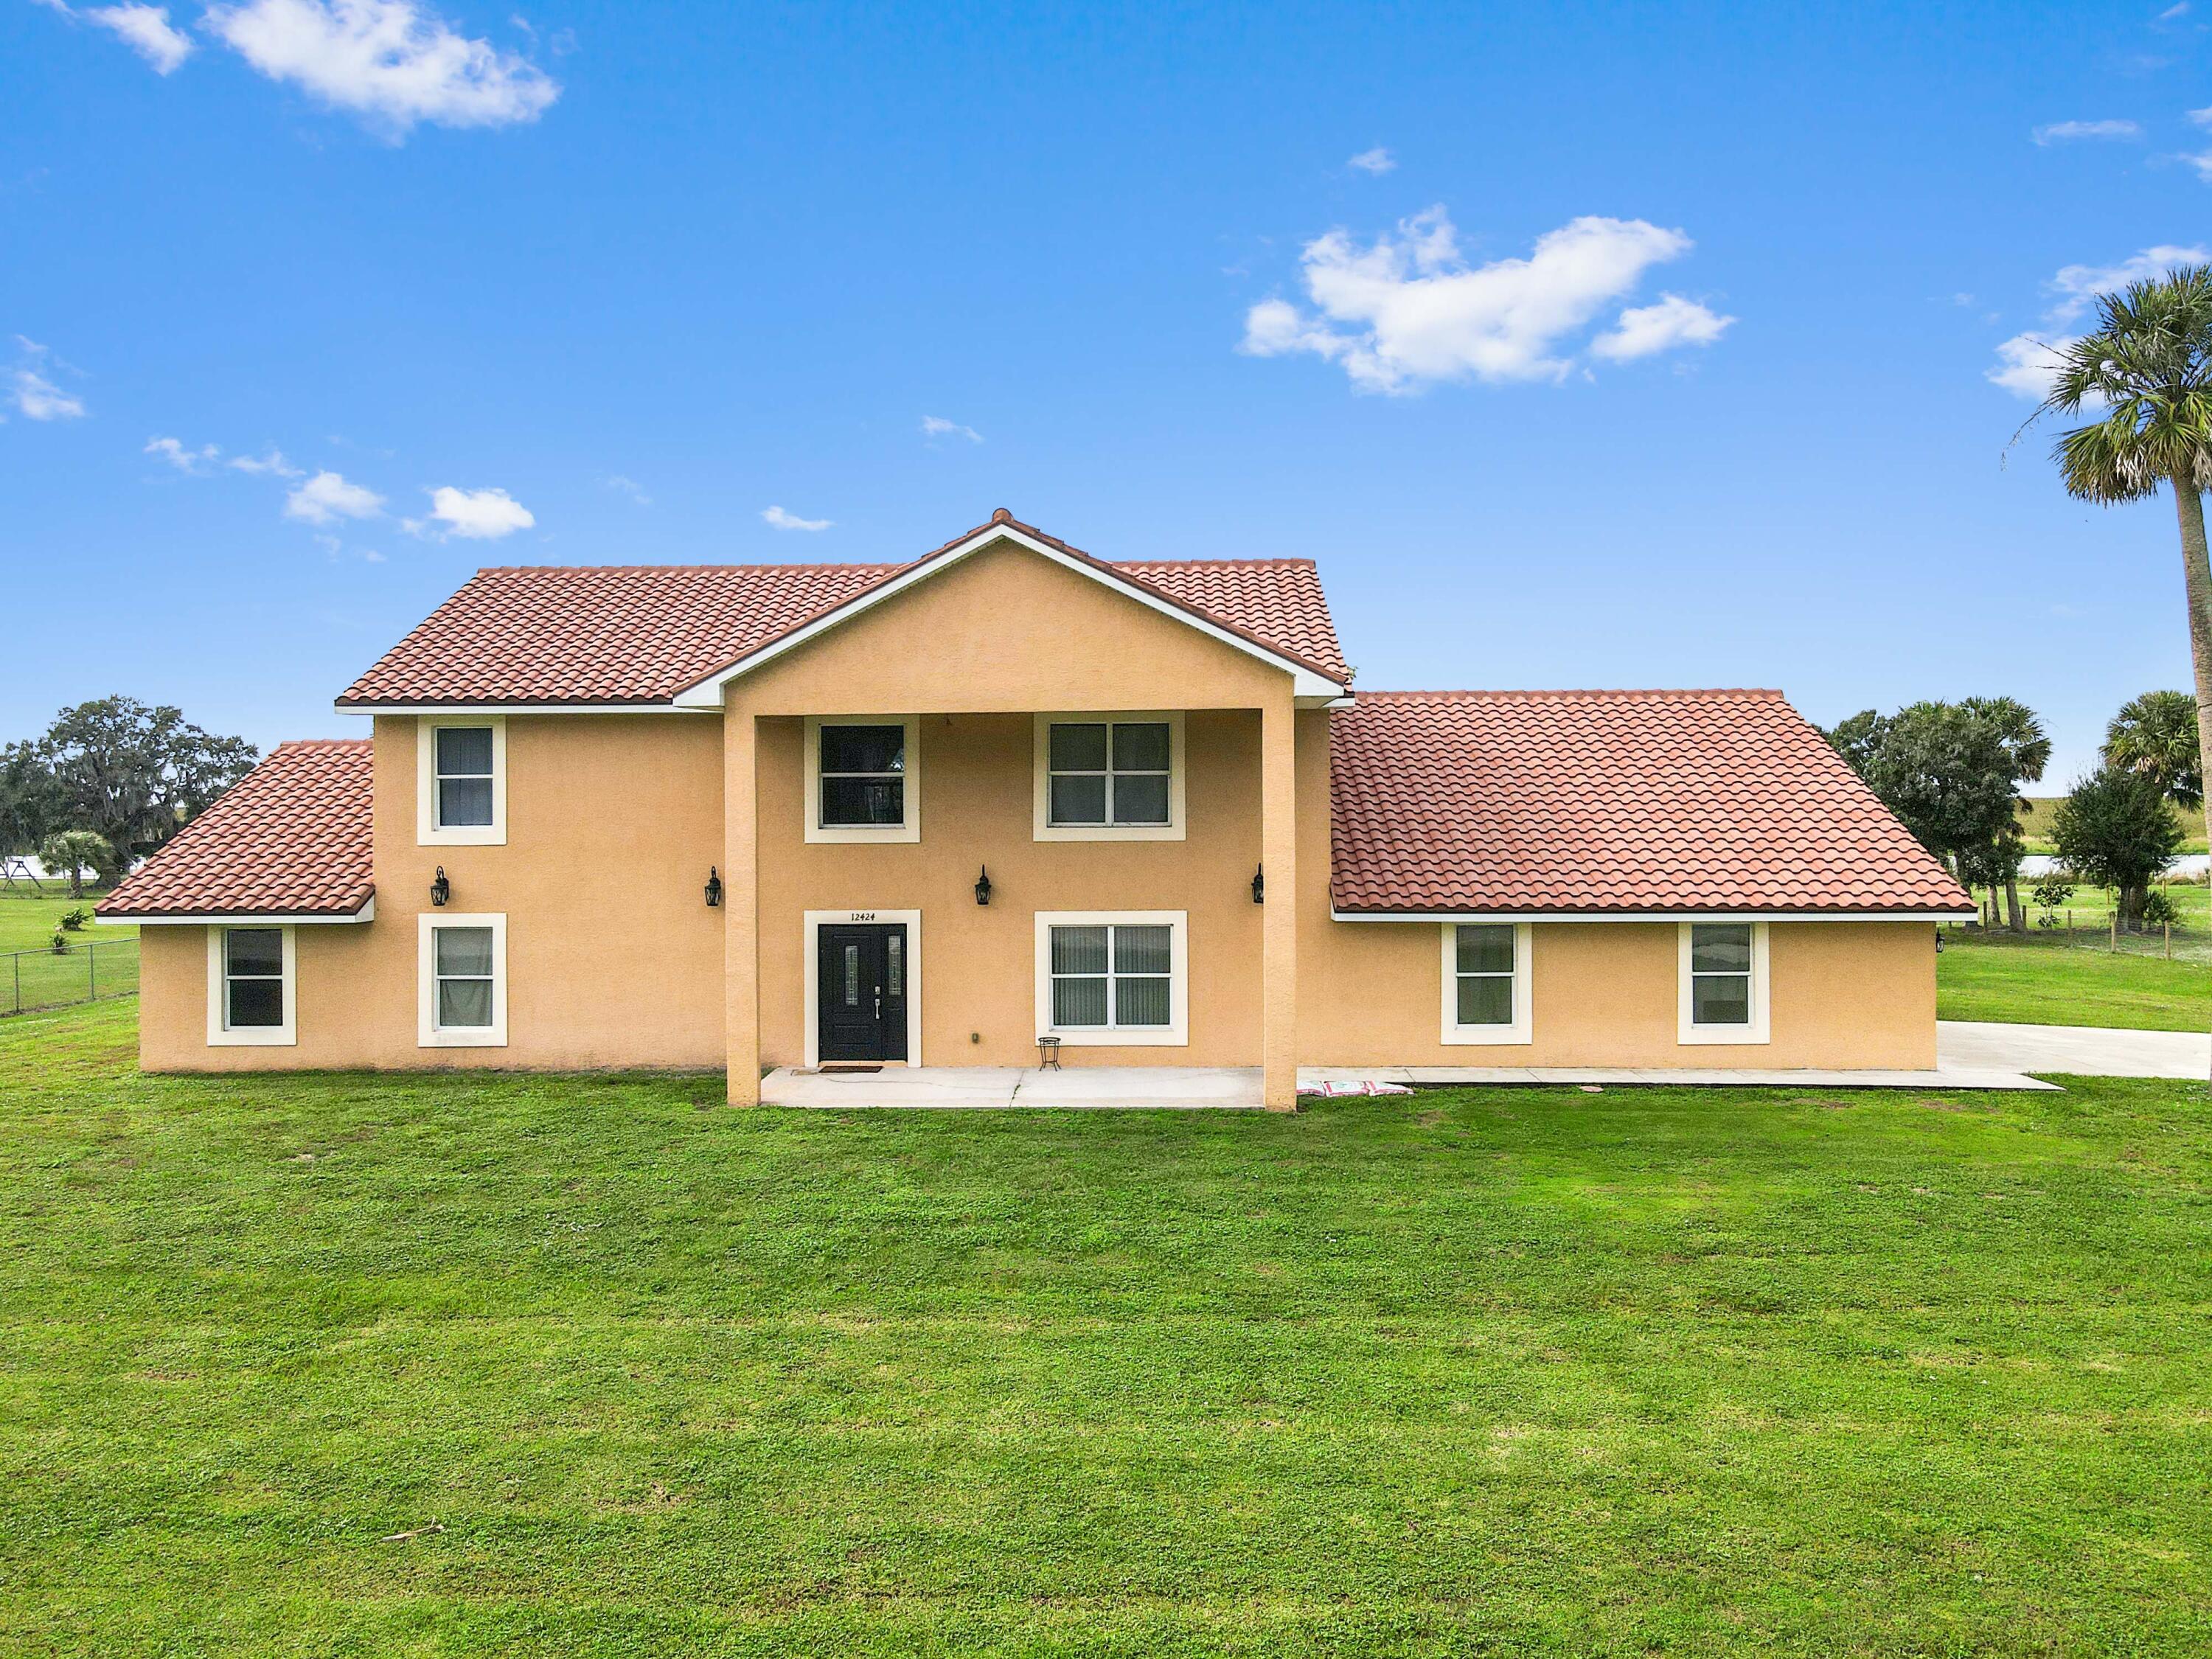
464, 708
241, 919
1309, 687
1336, 915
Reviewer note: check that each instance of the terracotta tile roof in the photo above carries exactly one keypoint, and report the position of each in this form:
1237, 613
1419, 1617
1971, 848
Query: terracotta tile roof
292, 838
640, 634
1597, 801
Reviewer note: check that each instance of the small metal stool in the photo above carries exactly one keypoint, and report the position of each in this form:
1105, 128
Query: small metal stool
1047, 1054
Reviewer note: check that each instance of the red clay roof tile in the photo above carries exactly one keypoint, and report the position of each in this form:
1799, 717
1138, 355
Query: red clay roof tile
1598, 801
292, 838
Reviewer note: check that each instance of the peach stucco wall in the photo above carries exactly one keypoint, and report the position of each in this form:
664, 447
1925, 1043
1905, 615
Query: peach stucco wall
613, 821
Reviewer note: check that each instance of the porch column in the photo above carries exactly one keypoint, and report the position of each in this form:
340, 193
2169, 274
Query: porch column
1279, 927
741, 905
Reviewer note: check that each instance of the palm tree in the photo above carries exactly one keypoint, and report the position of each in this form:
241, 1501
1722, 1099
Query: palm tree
2156, 734
2027, 748
2148, 365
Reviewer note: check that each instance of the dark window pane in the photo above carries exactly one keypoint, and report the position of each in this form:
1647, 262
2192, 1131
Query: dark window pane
1079, 749
855, 801
254, 951
1719, 1000
1079, 799
1720, 947
1079, 949
1486, 950
1140, 950
851, 976
1141, 799
1142, 747
463, 1003
1079, 1002
257, 1002
894, 976
864, 749
1485, 1001
463, 802
1140, 1002
465, 951
465, 750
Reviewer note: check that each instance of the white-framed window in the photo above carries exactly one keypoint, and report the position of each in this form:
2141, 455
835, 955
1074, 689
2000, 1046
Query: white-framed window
863, 778
1113, 977
462, 977
461, 780
1110, 777
253, 975
1487, 982
1723, 975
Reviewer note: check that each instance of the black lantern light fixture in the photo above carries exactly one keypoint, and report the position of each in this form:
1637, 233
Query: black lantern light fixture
983, 885
1259, 883
714, 888
440, 888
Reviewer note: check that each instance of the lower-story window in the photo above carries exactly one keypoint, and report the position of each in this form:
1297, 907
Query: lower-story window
1112, 977
1487, 982
251, 975
1723, 982
464, 981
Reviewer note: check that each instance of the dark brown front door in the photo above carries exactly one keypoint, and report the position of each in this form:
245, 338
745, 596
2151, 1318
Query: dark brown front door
862, 990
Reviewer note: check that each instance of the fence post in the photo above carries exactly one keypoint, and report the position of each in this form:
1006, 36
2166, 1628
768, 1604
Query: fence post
17, 958
91, 971
2115, 946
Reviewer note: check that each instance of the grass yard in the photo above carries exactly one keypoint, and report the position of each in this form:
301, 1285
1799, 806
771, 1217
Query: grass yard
2041, 981
32, 972
1525, 1372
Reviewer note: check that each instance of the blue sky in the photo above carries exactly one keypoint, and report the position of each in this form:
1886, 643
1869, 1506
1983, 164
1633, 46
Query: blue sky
1581, 346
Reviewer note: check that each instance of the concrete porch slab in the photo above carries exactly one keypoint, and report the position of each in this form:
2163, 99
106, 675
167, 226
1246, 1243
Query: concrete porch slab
2085, 1050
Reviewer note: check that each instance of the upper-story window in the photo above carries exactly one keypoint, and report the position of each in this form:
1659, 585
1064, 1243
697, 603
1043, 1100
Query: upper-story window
461, 781
1116, 777
861, 780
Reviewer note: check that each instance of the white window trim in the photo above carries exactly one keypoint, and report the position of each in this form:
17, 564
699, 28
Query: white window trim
1175, 1034
910, 830
219, 1034
1691, 1035
1522, 1029
1041, 777
429, 1033
813, 922
428, 832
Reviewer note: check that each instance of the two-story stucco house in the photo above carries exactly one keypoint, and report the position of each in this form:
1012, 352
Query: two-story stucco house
927, 814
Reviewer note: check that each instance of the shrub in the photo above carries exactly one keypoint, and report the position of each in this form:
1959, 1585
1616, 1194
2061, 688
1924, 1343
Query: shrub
2159, 911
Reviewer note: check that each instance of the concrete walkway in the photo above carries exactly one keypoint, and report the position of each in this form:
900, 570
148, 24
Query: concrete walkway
2084, 1050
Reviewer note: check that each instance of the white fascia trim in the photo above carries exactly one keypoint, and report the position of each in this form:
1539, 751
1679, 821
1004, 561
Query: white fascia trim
429, 1033
483, 708
367, 912
709, 693
219, 1032
1654, 915
1522, 1029
1175, 1034
1042, 828
1689, 1034
813, 922
810, 807
428, 832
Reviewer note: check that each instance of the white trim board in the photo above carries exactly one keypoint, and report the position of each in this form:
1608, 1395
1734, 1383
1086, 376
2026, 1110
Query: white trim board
367, 912
1654, 915
709, 693
483, 708
811, 925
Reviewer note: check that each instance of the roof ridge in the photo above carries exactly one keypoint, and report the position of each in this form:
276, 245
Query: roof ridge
1270, 561
625, 570
1624, 694
323, 742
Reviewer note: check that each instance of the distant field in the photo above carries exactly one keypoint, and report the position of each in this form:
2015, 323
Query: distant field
2036, 821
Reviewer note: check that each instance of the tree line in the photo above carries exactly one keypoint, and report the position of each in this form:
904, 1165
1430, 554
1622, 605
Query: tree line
1953, 773
109, 782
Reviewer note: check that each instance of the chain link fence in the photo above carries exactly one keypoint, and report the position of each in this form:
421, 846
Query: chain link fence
77, 970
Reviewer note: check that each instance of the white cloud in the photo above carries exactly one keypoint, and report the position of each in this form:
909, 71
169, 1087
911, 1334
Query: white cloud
327, 497
2060, 132
146, 30
2175, 13
936, 426
271, 464
2026, 363
36, 395
1410, 309
390, 60
1377, 161
2077, 287
1640, 331
783, 520
630, 487
476, 515
184, 459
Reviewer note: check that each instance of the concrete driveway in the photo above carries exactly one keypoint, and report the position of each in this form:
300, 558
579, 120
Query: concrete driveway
2086, 1050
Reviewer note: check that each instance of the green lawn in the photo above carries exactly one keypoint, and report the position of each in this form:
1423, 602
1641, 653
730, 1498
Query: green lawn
1535, 1371
32, 972
2039, 980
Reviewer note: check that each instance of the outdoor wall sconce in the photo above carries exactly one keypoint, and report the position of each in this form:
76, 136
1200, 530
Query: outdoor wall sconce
440, 888
1259, 883
983, 885
714, 888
